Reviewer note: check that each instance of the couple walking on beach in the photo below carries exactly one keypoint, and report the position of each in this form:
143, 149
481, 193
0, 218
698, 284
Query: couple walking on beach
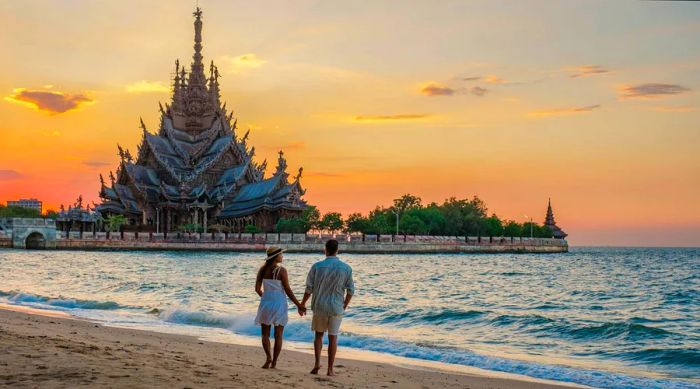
330, 286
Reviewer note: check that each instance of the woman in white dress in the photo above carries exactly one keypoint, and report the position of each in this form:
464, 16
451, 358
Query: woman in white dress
271, 285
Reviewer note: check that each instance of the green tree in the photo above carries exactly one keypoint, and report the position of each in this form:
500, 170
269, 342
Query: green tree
355, 222
115, 222
332, 221
251, 229
512, 228
412, 224
381, 221
406, 202
293, 225
18, 212
542, 231
311, 217
433, 219
492, 226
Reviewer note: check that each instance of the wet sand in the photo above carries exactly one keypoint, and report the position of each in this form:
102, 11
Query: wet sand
53, 350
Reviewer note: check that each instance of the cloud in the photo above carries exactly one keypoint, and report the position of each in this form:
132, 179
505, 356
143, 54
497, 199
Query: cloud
490, 79
563, 111
437, 90
53, 102
243, 62
651, 91
145, 86
6, 175
493, 80
587, 71
95, 163
478, 91
376, 118
675, 109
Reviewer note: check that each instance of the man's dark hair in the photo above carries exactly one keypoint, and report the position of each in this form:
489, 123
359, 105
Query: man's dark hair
331, 247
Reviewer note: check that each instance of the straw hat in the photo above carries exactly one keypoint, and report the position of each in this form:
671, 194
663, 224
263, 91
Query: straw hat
273, 251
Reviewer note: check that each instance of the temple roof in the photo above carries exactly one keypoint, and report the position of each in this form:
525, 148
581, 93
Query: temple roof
197, 146
271, 194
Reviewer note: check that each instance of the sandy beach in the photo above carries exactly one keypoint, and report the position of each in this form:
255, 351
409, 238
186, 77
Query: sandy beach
53, 350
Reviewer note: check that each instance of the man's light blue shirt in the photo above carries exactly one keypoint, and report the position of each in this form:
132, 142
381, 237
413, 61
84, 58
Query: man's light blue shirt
327, 281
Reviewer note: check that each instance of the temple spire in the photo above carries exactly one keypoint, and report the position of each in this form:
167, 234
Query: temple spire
197, 77
281, 163
549, 219
551, 224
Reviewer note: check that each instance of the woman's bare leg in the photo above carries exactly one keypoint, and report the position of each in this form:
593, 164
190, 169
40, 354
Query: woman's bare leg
279, 335
265, 333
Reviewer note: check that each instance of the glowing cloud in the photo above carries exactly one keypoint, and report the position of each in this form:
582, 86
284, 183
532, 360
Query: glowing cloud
437, 90
145, 86
244, 62
379, 118
651, 91
479, 91
587, 71
53, 102
563, 111
6, 175
493, 80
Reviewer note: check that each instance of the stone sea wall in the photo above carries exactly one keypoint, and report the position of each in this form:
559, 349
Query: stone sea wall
307, 243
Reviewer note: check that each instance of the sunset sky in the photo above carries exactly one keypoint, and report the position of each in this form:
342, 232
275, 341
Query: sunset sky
594, 104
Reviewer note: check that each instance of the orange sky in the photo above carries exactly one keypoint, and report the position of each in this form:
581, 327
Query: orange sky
592, 104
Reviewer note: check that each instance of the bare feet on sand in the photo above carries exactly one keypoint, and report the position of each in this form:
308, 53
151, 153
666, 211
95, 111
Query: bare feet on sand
267, 364
330, 373
315, 369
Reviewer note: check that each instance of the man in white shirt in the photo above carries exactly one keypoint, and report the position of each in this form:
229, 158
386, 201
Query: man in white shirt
331, 285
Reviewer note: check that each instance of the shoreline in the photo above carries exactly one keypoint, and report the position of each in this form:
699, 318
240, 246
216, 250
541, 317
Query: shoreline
38, 346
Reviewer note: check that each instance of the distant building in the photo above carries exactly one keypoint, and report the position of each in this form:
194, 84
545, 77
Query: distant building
552, 225
26, 203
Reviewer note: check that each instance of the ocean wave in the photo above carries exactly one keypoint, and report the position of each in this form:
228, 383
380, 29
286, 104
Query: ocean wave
21, 298
521, 321
682, 357
299, 331
206, 319
431, 317
631, 331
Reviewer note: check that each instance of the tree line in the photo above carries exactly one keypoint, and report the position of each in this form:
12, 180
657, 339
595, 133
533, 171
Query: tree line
454, 217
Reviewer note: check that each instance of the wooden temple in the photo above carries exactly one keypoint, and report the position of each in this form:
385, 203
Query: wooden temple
195, 169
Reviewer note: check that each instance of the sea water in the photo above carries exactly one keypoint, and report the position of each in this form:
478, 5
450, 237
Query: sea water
605, 317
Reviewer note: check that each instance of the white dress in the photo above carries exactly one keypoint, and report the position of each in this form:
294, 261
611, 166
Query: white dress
273, 307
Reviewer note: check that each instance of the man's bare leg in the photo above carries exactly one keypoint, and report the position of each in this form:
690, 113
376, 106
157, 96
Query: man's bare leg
332, 348
318, 347
265, 333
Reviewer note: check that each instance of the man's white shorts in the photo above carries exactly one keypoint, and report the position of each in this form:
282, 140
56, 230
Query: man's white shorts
322, 322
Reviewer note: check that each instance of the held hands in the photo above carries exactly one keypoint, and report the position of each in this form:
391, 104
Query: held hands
301, 309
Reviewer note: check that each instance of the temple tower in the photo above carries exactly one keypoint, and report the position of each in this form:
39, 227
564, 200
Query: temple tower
551, 224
